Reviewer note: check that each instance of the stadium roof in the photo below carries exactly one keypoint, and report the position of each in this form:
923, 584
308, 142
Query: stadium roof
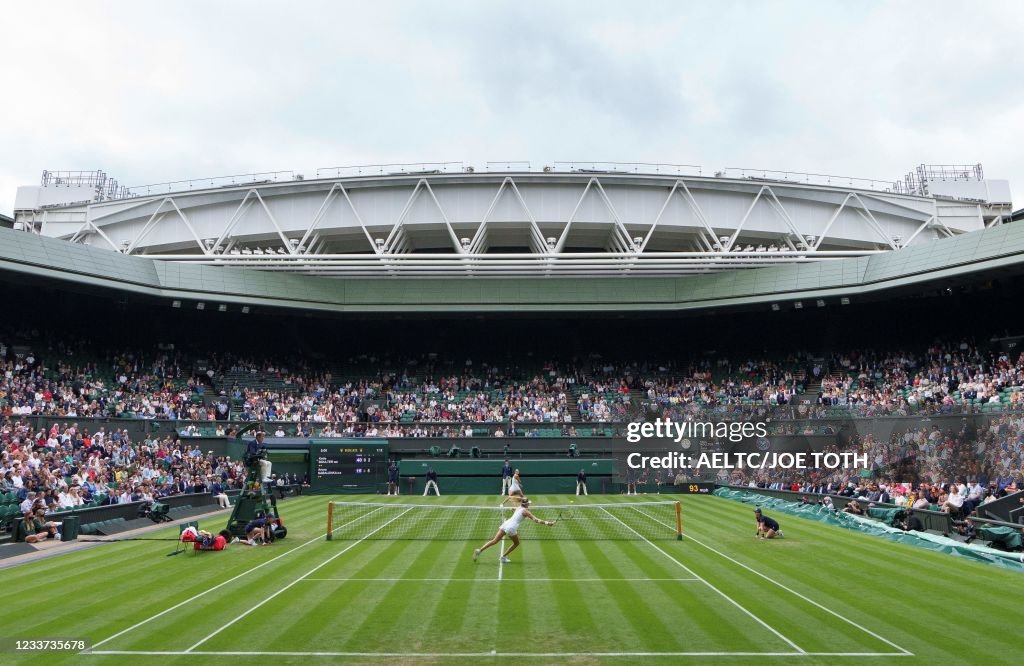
589, 221
997, 249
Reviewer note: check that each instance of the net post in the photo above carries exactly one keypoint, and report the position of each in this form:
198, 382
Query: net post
330, 521
679, 521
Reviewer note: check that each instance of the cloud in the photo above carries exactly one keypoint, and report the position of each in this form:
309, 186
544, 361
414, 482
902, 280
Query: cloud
152, 93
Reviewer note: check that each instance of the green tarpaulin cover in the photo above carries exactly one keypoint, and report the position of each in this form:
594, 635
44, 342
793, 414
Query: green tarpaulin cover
874, 527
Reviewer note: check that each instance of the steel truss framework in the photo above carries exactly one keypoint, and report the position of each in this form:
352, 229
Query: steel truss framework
662, 245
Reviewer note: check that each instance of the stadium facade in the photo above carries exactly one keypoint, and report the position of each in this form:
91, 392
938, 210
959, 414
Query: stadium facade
573, 236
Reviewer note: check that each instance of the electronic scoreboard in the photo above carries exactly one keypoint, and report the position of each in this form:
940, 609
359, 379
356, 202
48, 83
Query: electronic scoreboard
348, 465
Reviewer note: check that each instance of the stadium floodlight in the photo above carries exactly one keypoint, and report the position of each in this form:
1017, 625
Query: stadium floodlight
845, 300
775, 307
465, 243
820, 303
222, 308
200, 306
245, 309
246, 251
799, 305
175, 304
124, 245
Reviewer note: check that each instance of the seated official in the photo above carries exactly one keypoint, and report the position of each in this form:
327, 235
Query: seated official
967, 529
854, 508
912, 523
37, 528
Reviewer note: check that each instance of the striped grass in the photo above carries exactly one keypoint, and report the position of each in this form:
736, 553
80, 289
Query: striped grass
821, 595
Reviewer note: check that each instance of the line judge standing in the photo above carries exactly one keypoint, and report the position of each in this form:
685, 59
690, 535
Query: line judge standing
506, 477
431, 482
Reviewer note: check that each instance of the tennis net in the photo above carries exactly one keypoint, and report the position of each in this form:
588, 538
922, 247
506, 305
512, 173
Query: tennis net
618, 521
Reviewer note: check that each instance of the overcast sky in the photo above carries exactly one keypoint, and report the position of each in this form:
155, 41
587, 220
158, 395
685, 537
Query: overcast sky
152, 92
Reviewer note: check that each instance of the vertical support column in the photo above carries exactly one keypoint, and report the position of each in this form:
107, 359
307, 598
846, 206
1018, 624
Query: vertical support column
679, 521
330, 521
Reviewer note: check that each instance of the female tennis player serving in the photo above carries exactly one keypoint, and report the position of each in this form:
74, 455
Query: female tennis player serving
510, 529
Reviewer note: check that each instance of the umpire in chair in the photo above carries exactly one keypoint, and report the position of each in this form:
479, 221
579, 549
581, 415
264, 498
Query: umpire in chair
256, 455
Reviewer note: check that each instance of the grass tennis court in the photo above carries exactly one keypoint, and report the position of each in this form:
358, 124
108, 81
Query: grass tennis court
821, 595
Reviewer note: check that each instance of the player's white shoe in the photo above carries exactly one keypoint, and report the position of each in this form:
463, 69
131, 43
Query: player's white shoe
505, 560
476, 554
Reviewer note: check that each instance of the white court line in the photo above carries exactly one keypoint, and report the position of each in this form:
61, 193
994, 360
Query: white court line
722, 594
517, 655
289, 585
220, 585
828, 610
491, 580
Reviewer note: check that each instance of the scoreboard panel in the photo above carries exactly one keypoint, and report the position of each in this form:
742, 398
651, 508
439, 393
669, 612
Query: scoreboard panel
348, 465
696, 488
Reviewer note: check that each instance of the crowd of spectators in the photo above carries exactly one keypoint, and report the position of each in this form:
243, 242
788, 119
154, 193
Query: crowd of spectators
427, 396
167, 384
67, 466
943, 378
472, 394
723, 384
953, 469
